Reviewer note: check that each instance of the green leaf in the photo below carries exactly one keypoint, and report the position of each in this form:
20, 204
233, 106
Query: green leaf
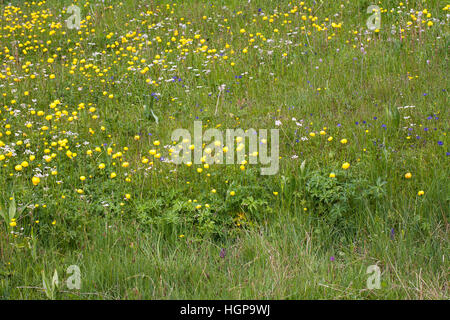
3, 214
12, 208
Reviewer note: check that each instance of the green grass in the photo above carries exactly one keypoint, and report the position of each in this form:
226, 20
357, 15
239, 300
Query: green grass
299, 234
284, 261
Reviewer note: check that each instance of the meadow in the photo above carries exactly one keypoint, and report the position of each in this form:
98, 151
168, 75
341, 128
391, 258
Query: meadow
91, 92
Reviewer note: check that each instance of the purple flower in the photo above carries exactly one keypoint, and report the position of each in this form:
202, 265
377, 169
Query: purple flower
440, 143
332, 258
222, 253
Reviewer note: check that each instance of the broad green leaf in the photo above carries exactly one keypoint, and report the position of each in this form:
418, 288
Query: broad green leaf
12, 208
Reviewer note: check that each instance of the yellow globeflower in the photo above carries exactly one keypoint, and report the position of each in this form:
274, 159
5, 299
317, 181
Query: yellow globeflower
345, 165
332, 175
35, 180
344, 141
421, 193
408, 175
101, 166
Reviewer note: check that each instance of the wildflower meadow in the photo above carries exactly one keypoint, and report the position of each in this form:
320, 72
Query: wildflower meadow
224, 149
